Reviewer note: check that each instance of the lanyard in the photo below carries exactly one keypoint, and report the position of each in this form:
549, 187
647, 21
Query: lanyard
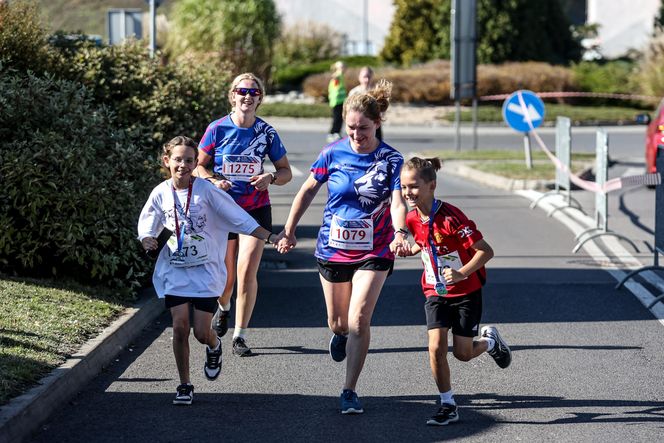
179, 229
433, 255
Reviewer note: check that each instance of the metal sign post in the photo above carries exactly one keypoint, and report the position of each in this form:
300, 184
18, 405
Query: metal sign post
523, 111
527, 151
464, 63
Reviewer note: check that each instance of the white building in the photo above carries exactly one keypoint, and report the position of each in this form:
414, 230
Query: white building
365, 23
624, 24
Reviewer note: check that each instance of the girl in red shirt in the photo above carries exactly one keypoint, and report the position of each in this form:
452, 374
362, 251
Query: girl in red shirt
453, 254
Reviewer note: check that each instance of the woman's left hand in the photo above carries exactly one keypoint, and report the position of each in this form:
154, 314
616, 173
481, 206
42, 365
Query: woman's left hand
261, 181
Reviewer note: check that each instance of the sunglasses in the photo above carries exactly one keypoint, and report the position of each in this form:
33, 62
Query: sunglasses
254, 92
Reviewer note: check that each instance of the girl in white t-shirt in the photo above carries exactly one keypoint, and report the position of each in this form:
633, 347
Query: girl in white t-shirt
190, 267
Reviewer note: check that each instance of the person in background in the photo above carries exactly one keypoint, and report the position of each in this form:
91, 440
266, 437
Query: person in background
336, 94
237, 146
365, 77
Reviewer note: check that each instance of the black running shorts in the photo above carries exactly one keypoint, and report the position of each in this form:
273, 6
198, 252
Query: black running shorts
336, 272
460, 314
206, 304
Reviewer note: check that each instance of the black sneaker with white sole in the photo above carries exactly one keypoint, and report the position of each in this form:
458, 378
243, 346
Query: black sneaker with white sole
220, 322
445, 415
212, 367
501, 352
240, 348
184, 394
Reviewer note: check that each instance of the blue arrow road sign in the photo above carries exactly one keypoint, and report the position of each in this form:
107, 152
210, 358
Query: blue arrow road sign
523, 110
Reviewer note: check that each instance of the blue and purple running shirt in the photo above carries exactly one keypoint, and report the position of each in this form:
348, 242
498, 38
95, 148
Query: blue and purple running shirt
357, 224
239, 153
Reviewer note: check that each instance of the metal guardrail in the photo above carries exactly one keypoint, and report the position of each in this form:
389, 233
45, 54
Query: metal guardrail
562, 184
601, 198
659, 231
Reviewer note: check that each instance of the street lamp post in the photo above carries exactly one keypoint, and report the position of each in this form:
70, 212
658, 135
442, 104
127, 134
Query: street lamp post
154, 4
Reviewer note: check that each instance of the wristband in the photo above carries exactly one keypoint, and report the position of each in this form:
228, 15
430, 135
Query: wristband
401, 231
268, 237
273, 178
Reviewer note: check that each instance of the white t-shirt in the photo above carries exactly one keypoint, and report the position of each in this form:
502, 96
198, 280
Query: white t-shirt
212, 214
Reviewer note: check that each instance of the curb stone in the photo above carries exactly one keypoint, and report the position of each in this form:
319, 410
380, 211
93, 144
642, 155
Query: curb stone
24, 414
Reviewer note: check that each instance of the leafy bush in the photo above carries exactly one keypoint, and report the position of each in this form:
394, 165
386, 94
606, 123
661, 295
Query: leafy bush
507, 30
73, 185
23, 38
307, 42
610, 77
178, 98
291, 76
650, 75
430, 83
241, 32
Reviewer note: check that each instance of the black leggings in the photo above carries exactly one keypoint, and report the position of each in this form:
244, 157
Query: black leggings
337, 119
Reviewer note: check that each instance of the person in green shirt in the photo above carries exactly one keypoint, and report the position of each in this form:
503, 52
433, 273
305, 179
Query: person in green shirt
336, 94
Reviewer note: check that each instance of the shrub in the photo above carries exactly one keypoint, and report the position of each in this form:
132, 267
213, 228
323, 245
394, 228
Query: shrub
291, 76
73, 184
23, 42
430, 83
242, 32
178, 98
650, 75
611, 77
307, 42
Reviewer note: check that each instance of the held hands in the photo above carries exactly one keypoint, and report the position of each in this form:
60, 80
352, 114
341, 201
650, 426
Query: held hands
262, 181
286, 242
400, 246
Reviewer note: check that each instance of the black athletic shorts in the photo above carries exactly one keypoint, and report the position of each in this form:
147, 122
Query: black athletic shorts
460, 314
262, 215
206, 304
336, 272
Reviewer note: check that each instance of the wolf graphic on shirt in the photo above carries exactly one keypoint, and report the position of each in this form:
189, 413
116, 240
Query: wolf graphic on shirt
371, 188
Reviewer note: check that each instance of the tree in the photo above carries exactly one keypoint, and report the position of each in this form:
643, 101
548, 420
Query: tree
659, 20
508, 30
241, 33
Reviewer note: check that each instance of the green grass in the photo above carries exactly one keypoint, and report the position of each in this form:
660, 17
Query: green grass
497, 154
585, 114
294, 110
512, 164
541, 170
43, 323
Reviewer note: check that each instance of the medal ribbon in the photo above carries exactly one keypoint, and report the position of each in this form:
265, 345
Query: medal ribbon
179, 230
433, 256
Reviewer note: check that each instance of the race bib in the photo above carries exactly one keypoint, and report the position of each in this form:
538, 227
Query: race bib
351, 234
241, 167
451, 260
194, 251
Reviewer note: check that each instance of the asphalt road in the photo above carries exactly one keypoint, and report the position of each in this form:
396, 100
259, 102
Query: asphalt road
587, 359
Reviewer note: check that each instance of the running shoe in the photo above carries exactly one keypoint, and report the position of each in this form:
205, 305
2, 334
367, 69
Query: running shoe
445, 415
184, 394
220, 322
212, 367
501, 352
350, 403
240, 348
338, 347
